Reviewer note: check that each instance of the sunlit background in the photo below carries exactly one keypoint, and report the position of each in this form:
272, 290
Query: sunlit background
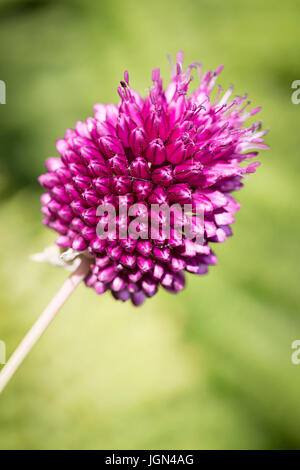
211, 367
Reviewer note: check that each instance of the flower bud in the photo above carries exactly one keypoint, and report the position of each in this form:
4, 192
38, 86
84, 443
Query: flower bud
156, 126
180, 193
53, 163
177, 109
72, 234
177, 263
188, 248
107, 274
59, 226
156, 152
48, 180
224, 218
100, 287
114, 252
142, 189
132, 110
89, 216
188, 170
70, 134
123, 128
158, 271
128, 244
178, 281
220, 236
145, 264
91, 196
89, 233
105, 128
167, 280
175, 239
92, 127
46, 211
102, 184
72, 191
54, 206
163, 176
128, 260
119, 165
149, 286
78, 170
158, 196
135, 275
79, 243
138, 298
77, 224
144, 247
91, 279
90, 153
117, 284
63, 241
162, 254
137, 141
98, 168
80, 142
45, 198
139, 168
123, 295
102, 261
61, 194
179, 129
122, 184
69, 156
201, 203
63, 174
61, 146
176, 152
110, 145
81, 182
97, 245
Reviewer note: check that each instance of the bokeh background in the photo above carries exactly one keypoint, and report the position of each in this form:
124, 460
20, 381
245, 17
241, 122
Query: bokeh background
207, 369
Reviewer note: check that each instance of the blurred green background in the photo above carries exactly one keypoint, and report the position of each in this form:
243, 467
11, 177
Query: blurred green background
207, 369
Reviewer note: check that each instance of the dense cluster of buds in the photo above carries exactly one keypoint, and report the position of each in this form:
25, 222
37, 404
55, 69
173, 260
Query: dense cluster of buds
168, 148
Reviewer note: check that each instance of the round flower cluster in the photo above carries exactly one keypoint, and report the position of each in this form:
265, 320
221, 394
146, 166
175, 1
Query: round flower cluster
167, 148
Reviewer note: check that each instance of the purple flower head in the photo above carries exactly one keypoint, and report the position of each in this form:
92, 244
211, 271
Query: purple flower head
169, 148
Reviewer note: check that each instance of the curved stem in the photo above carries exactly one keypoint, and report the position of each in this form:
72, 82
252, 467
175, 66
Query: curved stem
42, 323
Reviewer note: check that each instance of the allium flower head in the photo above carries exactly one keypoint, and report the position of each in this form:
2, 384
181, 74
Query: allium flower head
168, 148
